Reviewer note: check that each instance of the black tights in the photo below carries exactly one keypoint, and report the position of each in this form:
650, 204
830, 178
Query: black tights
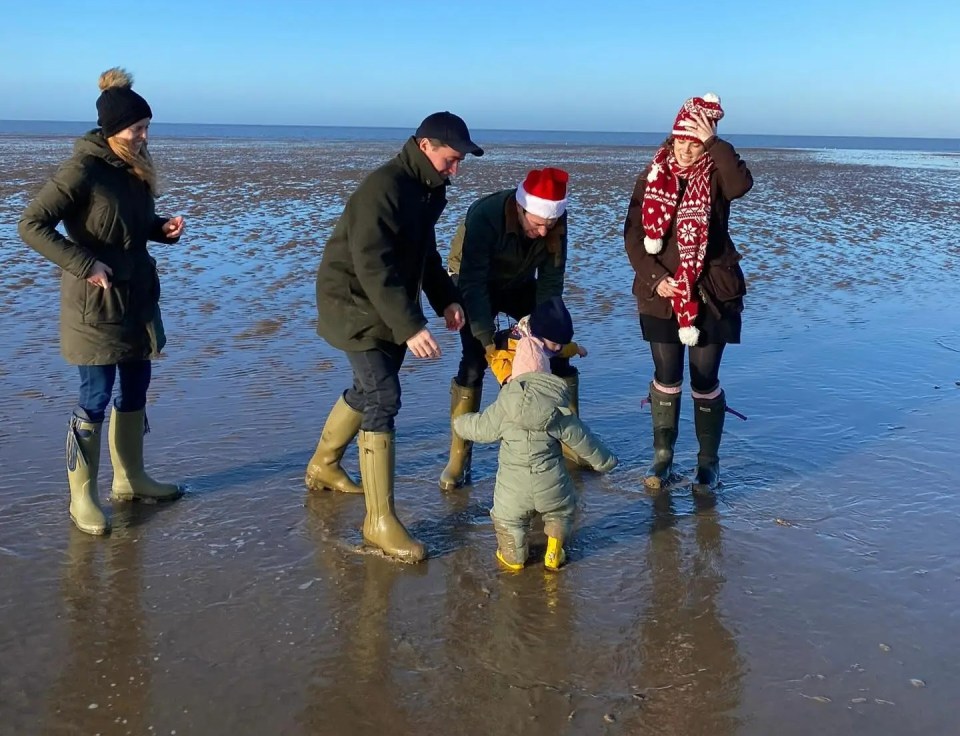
704, 365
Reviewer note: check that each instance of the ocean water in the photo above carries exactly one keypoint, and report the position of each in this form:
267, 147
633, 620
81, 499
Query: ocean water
484, 137
820, 594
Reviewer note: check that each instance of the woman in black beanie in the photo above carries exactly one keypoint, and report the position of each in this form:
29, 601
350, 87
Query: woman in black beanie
109, 292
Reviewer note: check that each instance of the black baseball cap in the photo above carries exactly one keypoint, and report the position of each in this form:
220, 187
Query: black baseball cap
449, 128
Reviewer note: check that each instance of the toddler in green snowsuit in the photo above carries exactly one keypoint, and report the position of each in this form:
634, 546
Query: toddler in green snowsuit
531, 421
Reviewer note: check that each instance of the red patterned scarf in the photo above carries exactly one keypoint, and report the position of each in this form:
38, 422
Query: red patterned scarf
692, 226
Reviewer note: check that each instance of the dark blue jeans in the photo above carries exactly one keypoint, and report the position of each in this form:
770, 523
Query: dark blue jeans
376, 386
96, 387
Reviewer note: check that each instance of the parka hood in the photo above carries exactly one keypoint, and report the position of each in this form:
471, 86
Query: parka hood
535, 399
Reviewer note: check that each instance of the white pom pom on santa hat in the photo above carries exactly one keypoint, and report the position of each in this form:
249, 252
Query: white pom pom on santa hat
710, 97
652, 245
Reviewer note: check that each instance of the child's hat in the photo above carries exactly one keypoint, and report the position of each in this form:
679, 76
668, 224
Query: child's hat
552, 321
529, 357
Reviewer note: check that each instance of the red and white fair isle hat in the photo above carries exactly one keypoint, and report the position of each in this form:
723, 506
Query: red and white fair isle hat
544, 193
709, 105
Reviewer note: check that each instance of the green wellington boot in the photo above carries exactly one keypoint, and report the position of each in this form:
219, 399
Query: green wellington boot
573, 391
381, 527
83, 465
665, 410
130, 480
457, 472
323, 470
708, 417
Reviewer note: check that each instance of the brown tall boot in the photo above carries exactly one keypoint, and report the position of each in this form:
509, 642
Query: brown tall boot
462, 401
323, 470
381, 527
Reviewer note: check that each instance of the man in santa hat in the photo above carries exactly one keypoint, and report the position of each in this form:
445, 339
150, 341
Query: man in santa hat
509, 255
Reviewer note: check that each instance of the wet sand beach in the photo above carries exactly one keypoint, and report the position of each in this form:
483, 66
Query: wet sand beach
820, 595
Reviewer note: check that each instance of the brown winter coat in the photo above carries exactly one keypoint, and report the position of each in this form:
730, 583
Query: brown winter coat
721, 283
109, 216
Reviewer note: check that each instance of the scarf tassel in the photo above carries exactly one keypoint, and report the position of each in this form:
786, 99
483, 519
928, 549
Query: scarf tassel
652, 245
689, 335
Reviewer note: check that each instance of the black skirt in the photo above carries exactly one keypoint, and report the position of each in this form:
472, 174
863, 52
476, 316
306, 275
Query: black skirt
723, 330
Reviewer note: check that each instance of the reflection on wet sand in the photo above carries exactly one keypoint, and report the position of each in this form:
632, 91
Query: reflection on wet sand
689, 664
528, 630
104, 685
355, 686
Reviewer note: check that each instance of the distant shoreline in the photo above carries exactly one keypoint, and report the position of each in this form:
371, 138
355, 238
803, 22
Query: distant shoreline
25, 128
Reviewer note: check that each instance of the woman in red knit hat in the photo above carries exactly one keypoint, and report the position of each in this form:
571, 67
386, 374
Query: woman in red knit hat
688, 283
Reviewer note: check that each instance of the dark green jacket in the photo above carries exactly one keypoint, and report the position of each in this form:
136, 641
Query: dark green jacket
109, 216
490, 253
382, 253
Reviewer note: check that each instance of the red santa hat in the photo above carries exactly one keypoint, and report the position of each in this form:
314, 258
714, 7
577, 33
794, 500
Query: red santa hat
544, 193
709, 105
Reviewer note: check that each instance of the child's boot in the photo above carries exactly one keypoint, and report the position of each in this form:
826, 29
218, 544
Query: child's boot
512, 546
555, 556
508, 561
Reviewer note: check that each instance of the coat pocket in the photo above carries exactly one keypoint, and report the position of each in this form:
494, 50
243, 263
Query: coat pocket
156, 334
106, 306
726, 281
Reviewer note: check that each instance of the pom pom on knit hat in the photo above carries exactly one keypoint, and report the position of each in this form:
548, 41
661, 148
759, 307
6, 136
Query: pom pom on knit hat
529, 357
552, 321
544, 193
709, 105
118, 106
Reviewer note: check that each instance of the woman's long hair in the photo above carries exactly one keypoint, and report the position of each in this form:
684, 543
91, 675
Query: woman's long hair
141, 163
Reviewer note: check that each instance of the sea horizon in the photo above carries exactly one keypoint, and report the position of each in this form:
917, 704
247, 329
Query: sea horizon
487, 136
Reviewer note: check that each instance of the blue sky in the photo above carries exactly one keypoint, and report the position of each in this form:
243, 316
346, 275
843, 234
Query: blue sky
818, 68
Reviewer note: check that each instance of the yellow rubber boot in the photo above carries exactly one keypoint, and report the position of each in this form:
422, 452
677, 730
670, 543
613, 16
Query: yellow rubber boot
555, 556
510, 554
511, 566
381, 527
130, 479
83, 465
323, 470
457, 472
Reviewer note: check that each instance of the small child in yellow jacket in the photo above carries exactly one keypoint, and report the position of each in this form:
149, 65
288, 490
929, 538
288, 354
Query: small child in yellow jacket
550, 323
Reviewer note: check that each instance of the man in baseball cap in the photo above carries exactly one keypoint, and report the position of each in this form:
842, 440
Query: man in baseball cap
381, 254
450, 130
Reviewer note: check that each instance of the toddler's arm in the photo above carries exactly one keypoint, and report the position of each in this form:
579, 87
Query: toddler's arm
480, 427
577, 436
